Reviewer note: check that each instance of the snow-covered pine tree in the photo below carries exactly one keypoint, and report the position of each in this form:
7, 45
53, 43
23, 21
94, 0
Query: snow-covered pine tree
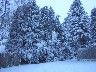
5, 18
22, 32
51, 33
93, 27
58, 39
45, 34
5, 21
76, 26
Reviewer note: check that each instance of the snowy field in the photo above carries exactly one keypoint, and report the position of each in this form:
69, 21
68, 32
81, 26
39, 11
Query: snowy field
65, 66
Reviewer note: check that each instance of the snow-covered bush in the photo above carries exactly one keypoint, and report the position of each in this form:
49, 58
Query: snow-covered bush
7, 60
86, 54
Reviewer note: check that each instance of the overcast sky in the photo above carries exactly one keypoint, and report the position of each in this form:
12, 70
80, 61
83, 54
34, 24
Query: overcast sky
61, 7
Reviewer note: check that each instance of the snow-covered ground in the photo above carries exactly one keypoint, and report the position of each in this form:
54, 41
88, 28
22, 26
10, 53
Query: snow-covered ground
64, 66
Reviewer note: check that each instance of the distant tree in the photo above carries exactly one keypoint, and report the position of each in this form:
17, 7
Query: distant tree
76, 27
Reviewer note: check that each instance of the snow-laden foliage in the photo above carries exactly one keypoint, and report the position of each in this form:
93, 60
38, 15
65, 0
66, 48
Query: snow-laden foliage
5, 22
76, 27
22, 33
36, 35
93, 27
7, 8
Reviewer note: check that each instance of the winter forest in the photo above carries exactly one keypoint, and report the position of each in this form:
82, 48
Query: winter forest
33, 35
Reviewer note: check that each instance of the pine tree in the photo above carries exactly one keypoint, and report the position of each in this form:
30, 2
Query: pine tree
45, 27
58, 39
76, 27
51, 33
5, 21
22, 31
93, 27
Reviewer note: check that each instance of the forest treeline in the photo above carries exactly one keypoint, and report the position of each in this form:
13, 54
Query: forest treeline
36, 35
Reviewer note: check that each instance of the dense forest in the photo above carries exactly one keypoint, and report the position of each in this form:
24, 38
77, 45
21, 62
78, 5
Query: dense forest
35, 35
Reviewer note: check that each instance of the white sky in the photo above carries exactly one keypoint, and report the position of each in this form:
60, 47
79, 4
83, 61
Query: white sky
61, 7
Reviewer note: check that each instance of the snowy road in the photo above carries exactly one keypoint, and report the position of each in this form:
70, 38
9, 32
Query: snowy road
65, 66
